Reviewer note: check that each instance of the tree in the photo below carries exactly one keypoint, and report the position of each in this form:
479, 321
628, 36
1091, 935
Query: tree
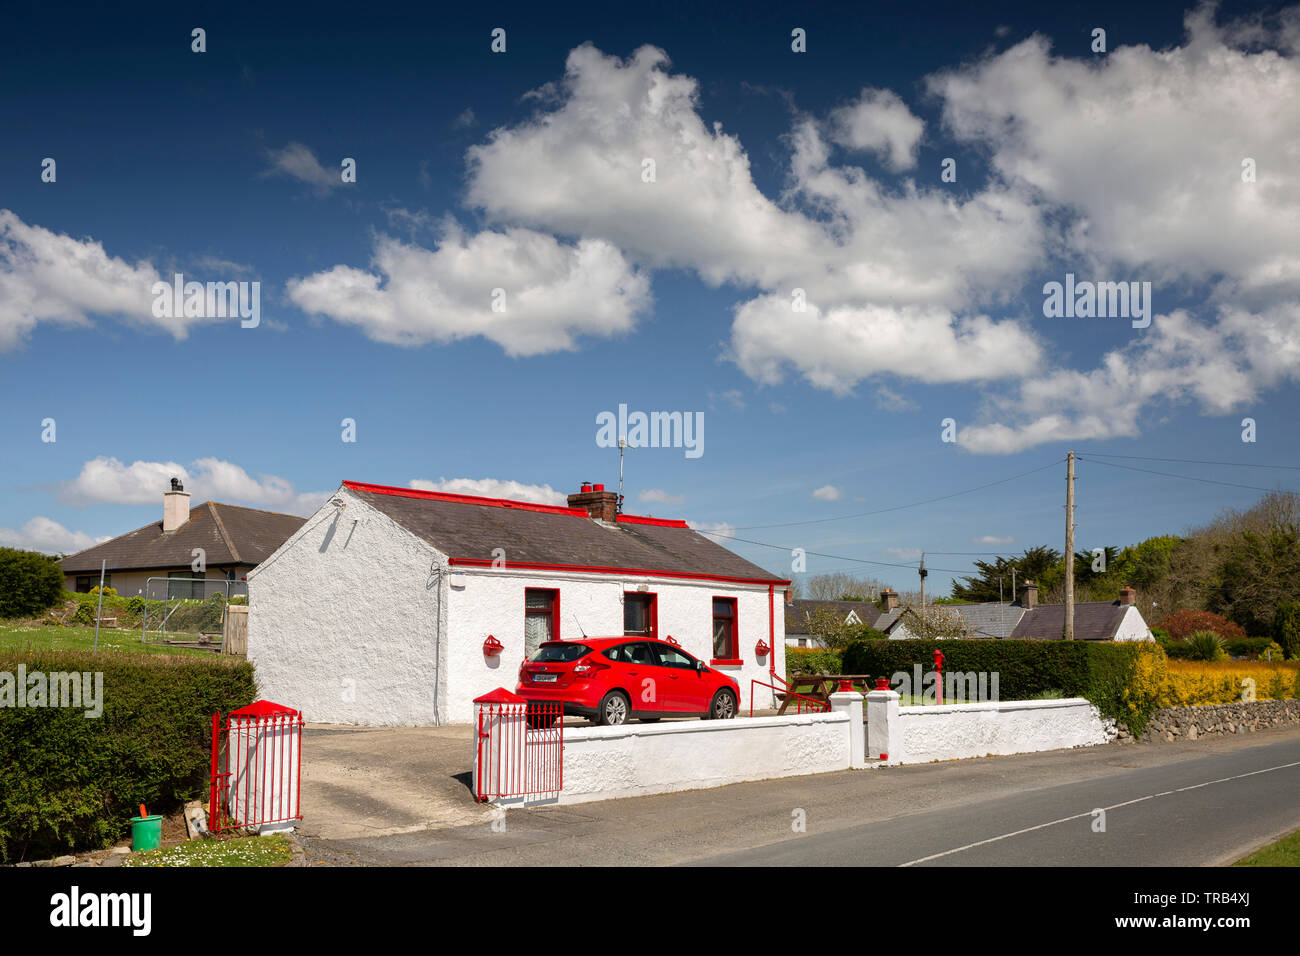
1286, 628
839, 586
1259, 571
1181, 625
30, 582
935, 622
1043, 565
830, 629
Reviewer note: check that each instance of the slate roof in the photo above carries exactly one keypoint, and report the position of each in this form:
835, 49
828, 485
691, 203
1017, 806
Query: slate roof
796, 613
992, 619
467, 529
228, 534
1093, 621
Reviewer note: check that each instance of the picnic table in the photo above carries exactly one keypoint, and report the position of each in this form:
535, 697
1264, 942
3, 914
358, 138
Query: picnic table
823, 685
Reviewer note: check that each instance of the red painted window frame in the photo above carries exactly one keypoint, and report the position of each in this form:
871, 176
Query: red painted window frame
654, 613
735, 630
554, 611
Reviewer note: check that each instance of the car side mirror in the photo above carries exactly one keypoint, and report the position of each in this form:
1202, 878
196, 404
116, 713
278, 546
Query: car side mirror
699, 667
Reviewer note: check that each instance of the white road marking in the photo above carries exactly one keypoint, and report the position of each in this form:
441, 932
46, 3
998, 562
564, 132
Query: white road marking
1079, 816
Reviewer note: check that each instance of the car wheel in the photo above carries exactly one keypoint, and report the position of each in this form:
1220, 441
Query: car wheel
723, 706
614, 708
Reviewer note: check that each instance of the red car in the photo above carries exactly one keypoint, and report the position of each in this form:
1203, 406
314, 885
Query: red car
610, 680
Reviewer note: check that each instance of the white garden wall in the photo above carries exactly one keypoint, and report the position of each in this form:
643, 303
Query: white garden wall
603, 763
989, 728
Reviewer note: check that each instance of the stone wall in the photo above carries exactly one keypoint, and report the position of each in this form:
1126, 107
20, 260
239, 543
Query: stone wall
1189, 723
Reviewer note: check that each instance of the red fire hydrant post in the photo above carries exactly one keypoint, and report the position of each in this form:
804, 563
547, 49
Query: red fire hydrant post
938, 673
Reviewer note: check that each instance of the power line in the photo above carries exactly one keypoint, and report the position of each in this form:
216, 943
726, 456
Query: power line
1168, 474
1195, 461
914, 504
818, 554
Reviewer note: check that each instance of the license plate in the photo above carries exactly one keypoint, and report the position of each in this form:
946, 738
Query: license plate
544, 678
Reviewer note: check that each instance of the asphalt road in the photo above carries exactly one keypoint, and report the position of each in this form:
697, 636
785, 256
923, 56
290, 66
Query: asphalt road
1189, 803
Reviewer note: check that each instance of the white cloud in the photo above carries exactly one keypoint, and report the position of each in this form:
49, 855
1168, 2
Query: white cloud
48, 536
553, 292
879, 122
719, 529
828, 493
1145, 148
993, 539
494, 488
106, 480
1127, 165
48, 277
904, 554
865, 257
733, 397
892, 401
1142, 152
298, 162
658, 495
1221, 366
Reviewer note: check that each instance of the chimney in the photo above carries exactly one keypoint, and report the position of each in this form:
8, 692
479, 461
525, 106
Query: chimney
1128, 595
599, 503
890, 598
1027, 595
176, 506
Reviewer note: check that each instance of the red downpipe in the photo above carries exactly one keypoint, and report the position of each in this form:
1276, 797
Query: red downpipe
771, 629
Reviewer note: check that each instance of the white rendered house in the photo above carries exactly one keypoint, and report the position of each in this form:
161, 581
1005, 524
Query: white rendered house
386, 607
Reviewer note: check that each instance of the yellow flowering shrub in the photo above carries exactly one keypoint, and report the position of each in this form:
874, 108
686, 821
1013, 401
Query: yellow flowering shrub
1146, 682
1197, 683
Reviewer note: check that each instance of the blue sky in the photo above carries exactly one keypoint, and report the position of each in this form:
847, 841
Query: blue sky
522, 170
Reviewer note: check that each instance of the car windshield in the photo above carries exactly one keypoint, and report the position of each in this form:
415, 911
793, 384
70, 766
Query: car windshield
558, 653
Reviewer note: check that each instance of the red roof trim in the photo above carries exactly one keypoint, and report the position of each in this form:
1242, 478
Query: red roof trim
463, 499
658, 522
533, 566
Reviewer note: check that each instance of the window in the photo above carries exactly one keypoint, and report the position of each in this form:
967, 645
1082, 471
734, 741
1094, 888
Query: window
639, 614
671, 657
541, 617
725, 638
559, 653
88, 582
637, 652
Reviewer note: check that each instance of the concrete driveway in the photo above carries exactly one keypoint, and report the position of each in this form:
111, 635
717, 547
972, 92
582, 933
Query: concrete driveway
362, 782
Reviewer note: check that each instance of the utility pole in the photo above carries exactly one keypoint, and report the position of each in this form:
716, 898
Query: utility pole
1069, 547
923, 573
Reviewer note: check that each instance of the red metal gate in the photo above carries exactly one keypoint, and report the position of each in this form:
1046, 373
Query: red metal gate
256, 767
519, 747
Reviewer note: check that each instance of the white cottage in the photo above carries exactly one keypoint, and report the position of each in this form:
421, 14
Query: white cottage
386, 607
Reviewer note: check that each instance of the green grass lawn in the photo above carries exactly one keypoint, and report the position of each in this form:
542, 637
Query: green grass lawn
59, 638
1285, 852
238, 851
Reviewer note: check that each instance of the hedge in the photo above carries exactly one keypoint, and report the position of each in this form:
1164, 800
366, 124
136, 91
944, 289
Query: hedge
1123, 679
30, 582
811, 660
1250, 648
68, 782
